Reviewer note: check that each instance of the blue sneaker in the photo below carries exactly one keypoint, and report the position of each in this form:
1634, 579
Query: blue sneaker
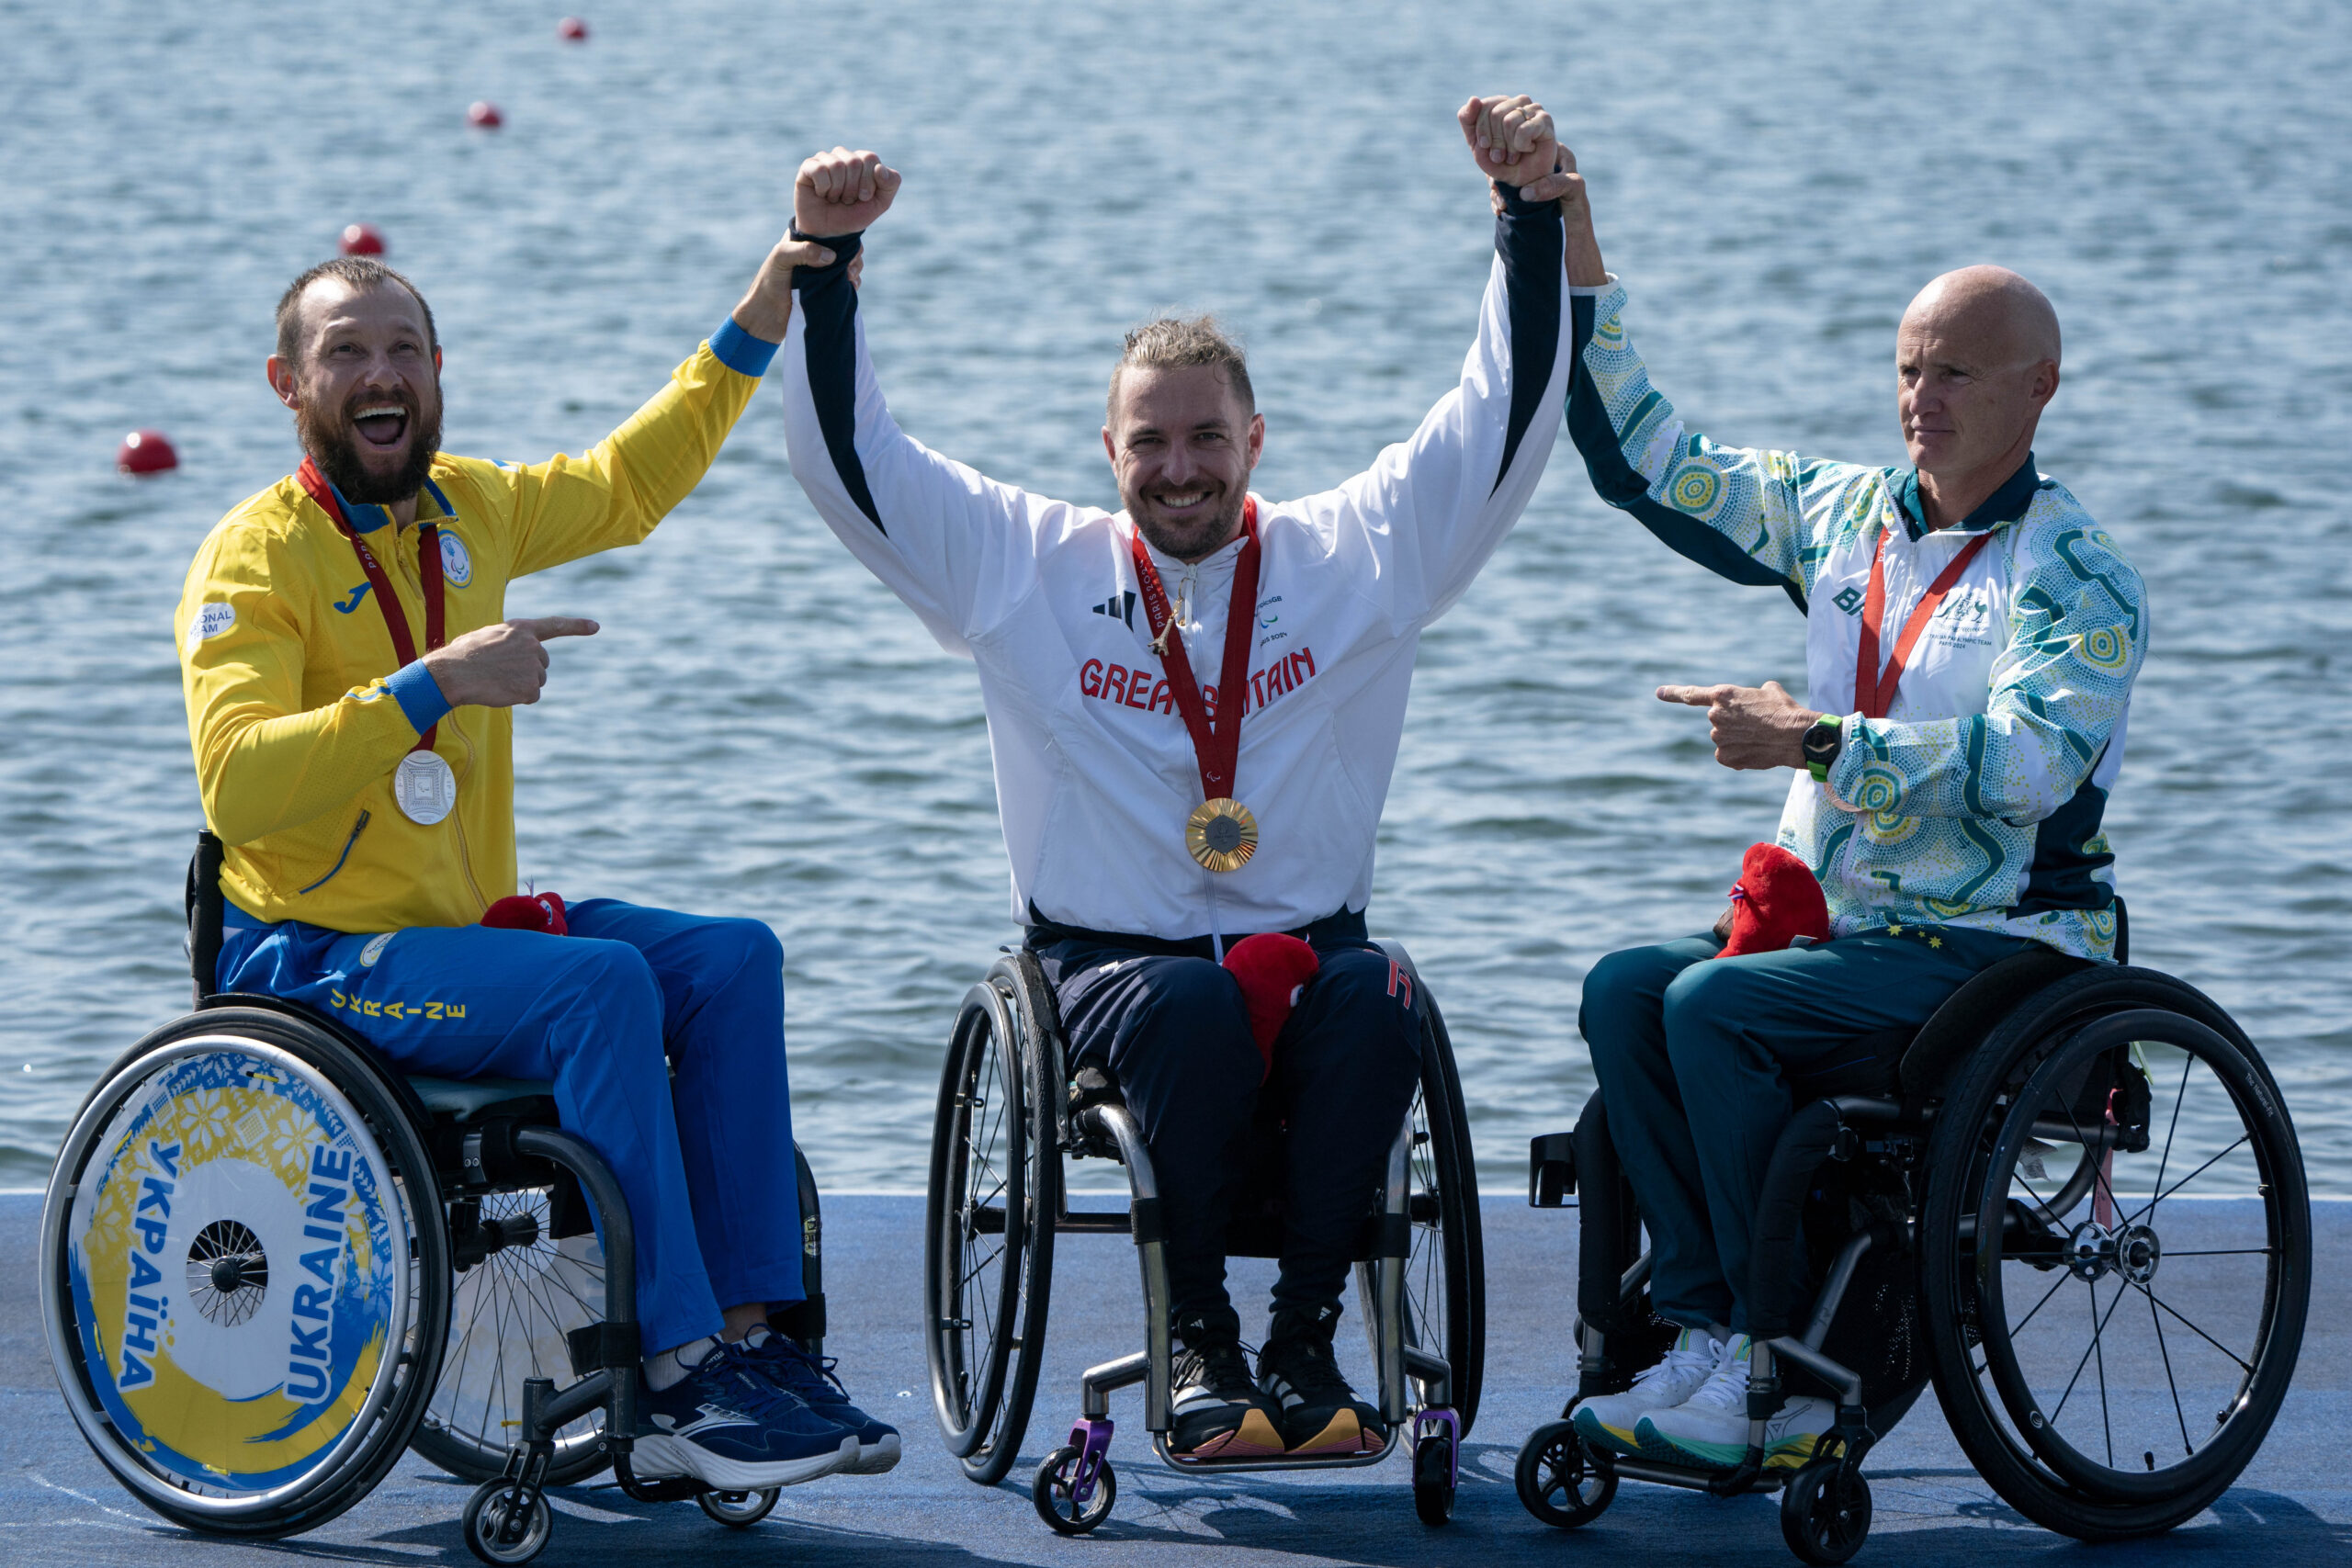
813, 1381
732, 1428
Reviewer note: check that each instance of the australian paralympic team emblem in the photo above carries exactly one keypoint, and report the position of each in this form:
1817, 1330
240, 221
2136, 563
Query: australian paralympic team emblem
238, 1270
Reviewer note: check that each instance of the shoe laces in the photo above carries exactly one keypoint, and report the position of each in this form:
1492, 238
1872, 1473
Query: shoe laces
812, 1377
1219, 1367
1310, 1369
1727, 1388
1702, 1353
734, 1377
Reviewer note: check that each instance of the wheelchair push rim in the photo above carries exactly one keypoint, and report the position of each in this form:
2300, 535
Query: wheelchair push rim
243, 1270
2094, 1296
987, 1256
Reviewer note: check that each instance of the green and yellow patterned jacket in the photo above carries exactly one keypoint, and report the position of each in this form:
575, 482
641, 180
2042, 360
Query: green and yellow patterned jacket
1976, 801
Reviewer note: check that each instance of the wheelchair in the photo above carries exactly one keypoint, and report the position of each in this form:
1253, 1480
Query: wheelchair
2008, 1204
1010, 1110
362, 1261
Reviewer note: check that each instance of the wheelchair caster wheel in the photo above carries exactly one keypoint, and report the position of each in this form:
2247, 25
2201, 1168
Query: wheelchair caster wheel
1826, 1512
1433, 1481
738, 1510
499, 1532
1561, 1481
1053, 1492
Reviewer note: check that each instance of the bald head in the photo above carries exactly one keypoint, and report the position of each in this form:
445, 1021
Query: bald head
1976, 361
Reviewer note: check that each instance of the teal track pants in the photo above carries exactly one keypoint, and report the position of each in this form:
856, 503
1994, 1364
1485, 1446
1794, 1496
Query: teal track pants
1691, 1049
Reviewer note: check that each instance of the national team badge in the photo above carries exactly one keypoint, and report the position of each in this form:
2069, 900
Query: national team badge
457, 565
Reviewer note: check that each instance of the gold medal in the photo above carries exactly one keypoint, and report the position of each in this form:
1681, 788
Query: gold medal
1221, 834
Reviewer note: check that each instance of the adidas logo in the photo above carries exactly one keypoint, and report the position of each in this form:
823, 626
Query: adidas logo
1119, 607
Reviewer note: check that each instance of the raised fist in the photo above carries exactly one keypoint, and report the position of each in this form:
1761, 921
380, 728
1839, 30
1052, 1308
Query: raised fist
841, 192
1510, 137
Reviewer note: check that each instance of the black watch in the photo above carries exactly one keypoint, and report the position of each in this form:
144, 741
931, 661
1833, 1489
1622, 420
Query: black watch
1821, 745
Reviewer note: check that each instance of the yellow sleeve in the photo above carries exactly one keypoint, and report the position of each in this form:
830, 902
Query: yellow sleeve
263, 761
613, 494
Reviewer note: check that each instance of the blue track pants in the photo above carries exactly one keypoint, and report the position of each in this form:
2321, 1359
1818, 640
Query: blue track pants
606, 1013
1689, 1050
1173, 1028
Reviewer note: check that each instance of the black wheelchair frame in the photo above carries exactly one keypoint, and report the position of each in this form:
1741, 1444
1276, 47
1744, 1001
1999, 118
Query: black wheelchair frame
452, 1145
997, 1187
1903, 1183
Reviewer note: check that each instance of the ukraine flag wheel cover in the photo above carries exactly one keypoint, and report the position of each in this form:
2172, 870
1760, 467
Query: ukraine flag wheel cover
245, 1262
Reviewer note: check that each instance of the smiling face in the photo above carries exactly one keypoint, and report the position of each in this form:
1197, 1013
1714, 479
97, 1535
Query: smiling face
364, 385
1182, 444
1975, 362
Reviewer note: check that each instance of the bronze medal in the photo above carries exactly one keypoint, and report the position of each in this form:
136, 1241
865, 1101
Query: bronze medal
1221, 834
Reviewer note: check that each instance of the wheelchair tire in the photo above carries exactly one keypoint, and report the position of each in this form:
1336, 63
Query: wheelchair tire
206, 1162
1826, 1513
1445, 1267
1559, 1480
988, 1222
2008, 1383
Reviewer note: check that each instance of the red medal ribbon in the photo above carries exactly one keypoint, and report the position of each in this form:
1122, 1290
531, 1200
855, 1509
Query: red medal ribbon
1216, 747
1875, 691
428, 557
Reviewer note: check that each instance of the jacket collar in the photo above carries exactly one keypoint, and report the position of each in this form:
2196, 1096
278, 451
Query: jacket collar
2006, 504
366, 519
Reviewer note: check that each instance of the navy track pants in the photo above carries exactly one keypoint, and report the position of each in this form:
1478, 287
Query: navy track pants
1173, 1029
606, 1013
1689, 1050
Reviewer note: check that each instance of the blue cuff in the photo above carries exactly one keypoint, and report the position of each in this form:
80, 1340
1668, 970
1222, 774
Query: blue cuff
740, 351
419, 694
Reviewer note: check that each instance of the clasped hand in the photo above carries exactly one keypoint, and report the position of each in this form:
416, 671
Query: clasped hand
1752, 726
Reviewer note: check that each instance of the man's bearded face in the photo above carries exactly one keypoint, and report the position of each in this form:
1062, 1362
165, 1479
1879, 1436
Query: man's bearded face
1183, 446
369, 409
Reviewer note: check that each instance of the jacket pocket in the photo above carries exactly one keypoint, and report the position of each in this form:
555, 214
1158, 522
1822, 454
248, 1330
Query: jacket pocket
356, 829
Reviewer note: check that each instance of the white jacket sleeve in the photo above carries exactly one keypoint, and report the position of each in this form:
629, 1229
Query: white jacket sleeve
958, 547
1432, 509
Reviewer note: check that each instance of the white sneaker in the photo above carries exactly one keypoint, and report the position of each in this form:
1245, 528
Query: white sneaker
1710, 1428
1607, 1420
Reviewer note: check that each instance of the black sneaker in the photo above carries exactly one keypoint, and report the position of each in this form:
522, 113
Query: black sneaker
1219, 1412
729, 1427
1321, 1413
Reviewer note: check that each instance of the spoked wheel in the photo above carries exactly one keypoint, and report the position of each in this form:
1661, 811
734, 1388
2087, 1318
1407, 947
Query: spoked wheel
1054, 1494
1826, 1512
508, 1316
739, 1511
244, 1272
2116, 1326
1561, 1481
988, 1234
1445, 1269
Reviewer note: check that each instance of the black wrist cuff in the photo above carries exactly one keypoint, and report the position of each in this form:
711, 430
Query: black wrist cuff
1516, 206
845, 248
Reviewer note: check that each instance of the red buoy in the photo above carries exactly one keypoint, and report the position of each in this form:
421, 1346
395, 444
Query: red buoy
145, 452
572, 29
363, 240
484, 116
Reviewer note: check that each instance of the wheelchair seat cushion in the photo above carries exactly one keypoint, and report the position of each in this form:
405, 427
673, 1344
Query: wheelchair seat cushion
462, 1099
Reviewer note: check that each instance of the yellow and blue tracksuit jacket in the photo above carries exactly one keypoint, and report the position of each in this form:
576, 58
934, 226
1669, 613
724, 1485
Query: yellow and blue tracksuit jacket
296, 712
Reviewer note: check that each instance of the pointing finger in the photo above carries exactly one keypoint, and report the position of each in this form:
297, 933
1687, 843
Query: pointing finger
1692, 696
545, 627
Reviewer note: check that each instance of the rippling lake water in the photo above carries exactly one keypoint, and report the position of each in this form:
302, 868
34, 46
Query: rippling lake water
762, 729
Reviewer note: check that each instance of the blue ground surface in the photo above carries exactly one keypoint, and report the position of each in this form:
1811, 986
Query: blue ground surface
2293, 1506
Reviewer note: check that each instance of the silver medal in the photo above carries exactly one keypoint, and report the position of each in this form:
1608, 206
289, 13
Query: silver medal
425, 787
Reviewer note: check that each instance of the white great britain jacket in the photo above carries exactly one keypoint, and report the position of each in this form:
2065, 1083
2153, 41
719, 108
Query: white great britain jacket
1095, 774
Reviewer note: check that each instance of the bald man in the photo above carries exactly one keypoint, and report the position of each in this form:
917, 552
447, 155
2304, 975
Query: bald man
1972, 637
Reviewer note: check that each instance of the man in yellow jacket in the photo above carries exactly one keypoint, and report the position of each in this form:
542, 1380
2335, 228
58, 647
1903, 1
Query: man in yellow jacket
350, 675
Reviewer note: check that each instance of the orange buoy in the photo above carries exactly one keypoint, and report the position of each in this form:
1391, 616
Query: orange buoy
145, 452
484, 116
572, 29
363, 240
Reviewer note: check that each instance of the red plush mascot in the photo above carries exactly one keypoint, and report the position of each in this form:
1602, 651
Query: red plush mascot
1274, 970
528, 912
1775, 898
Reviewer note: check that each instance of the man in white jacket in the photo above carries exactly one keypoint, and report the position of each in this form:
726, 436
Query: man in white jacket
1194, 706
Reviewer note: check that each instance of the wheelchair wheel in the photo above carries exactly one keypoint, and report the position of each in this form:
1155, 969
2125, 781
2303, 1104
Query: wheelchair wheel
1559, 1480
508, 1316
1445, 1264
989, 1223
2110, 1348
245, 1276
